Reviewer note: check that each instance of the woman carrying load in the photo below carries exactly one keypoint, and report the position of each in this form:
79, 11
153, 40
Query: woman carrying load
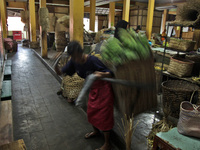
101, 97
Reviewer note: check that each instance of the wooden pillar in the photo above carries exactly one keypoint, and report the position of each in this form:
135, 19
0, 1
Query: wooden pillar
3, 17
92, 14
126, 10
43, 34
29, 32
165, 13
196, 37
32, 20
111, 14
150, 14
76, 20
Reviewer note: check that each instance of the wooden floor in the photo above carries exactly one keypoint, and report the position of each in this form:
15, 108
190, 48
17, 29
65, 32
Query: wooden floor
16, 145
6, 123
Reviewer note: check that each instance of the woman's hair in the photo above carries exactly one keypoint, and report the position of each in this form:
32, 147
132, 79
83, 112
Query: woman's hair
74, 47
121, 24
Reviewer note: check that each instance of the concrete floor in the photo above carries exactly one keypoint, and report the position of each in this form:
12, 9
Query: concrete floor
47, 122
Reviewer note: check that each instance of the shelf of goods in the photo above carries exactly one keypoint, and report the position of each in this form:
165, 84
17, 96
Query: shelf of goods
184, 65
186, 61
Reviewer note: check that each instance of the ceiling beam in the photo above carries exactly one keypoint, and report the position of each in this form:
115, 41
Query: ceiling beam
172, 12
21, 5
100, 2
170, 4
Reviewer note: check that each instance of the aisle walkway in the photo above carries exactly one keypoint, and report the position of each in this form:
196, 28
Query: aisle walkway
44, 120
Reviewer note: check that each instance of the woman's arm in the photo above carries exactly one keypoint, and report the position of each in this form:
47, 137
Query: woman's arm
101, 70
68, 69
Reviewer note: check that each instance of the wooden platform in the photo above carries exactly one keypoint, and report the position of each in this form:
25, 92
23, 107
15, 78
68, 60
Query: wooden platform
7, 73
8, 62
16, 145
172, 140
6, 122
6, 92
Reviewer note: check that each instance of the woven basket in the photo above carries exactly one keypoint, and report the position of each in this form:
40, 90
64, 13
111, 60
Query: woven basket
72, 86
34, 45
183, 45
180, 66
176, 91
131, 99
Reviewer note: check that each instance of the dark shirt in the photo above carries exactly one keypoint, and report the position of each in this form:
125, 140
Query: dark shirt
83, 70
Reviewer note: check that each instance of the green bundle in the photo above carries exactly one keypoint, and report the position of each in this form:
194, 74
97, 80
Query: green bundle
131, 46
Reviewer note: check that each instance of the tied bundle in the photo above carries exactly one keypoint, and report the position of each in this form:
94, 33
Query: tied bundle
60, 41
44, 18
24, 16
64, 20
130, 46
131, 59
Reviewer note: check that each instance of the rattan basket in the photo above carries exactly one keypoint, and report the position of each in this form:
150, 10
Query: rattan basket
72, 86
132, 99
180, 44
176, 91
180, 66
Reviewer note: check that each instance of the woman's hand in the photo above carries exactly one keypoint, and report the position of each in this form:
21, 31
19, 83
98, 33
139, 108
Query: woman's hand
98, 74
102, 74
57, 70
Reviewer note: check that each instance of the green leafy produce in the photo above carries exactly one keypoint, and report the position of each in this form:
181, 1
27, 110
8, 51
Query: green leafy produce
131, 46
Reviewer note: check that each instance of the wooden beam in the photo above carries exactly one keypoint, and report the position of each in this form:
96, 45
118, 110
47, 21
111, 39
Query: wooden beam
150, 14
43, 34
92, 14
66, 2
170, 4
6, 124
140, 4
21, 5
126, 10
3, 17
32, 20
87, 9
196, 37
111, 14
43, 3
172, 12
76, 20
165, 13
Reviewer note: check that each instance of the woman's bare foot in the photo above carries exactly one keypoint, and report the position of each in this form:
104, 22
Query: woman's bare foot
70, 100
91, 134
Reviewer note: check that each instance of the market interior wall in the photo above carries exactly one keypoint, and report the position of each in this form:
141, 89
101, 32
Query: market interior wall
137, 17
53, 11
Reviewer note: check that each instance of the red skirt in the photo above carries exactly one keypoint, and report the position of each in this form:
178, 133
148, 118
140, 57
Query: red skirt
100, 105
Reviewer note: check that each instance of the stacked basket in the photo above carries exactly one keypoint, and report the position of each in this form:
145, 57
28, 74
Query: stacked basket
180, 44
60, 41
180, 66
176, 91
